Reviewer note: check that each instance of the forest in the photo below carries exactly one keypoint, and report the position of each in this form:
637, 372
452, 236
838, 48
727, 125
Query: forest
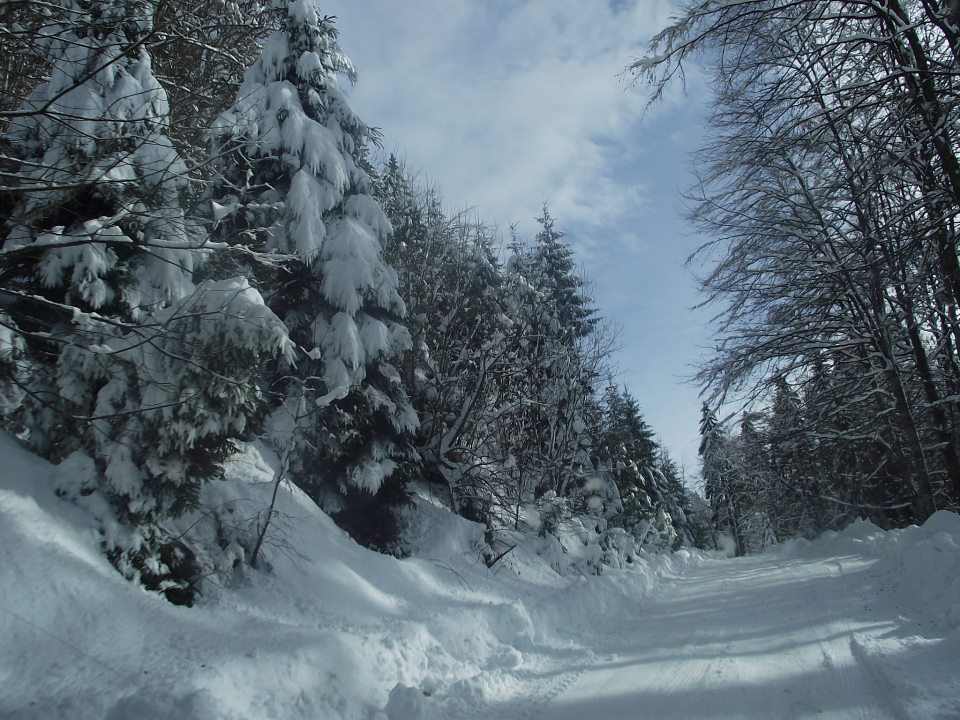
829, 192
287, 433
204, 248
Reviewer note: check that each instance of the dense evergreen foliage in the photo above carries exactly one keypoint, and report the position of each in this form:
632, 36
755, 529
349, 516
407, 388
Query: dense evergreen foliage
506, 374
198, 252
292, 150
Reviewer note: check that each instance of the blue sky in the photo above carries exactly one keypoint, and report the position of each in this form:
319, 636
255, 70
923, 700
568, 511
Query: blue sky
505, 104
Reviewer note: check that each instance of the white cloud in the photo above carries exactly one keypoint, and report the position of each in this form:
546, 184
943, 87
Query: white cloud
506, 104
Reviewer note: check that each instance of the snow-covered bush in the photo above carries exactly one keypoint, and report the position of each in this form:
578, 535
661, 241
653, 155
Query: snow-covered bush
170, 400
570, 538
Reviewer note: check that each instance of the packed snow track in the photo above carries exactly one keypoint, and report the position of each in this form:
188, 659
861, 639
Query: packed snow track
751, 638
844, 628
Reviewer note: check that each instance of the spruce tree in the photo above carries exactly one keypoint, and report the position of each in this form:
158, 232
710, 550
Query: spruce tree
757, 491
674, 498
95, 225
798, 504
834, 459
553, 272
718, 482
98, 224
627, 446
299, 194
551, 323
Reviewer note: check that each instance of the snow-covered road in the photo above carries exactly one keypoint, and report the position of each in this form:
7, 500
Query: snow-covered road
774, 636
750, 638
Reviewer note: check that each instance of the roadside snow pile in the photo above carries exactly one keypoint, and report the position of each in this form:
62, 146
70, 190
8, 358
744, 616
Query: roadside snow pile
912, 581
918, 565
921, 567
332, 631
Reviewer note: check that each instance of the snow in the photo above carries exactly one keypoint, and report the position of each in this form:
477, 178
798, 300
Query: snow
859, 624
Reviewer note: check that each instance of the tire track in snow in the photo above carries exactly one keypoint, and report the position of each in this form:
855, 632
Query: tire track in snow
537, 694
843, 667
763, 637
881, 685
542, 703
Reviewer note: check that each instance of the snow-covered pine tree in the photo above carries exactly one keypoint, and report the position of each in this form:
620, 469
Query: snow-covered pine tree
627, 447
201, 49
759, 493
96, 224
395, 193
297, 191
558, 363
797, 506
171, 400
126, 361
717, 474
675, 498
420, 241
555, 274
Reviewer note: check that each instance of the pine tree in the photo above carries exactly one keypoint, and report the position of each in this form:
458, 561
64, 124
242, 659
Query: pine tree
674, 499
654, 501
791, 453
416, 248
396, 195
552, 270
756, 487
552, 324
720, 485
96, 224
298, 192
626, 445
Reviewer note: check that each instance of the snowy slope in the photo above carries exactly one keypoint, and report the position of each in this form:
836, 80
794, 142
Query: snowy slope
329, 633
861, 624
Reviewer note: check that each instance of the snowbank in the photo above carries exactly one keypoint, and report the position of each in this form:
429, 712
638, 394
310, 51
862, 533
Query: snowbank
911, 585
916, 566
332, 631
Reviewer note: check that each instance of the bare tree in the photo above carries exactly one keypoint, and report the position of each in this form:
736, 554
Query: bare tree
830, 195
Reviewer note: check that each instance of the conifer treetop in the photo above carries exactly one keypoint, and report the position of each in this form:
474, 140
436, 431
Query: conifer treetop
98, 171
